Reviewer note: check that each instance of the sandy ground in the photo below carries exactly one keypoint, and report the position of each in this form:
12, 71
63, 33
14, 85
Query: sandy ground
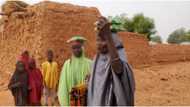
6, 98
166, 84
163, 84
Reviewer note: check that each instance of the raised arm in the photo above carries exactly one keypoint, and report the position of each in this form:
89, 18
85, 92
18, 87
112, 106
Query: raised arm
103, 27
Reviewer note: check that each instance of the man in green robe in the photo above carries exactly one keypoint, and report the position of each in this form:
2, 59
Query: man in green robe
74, 70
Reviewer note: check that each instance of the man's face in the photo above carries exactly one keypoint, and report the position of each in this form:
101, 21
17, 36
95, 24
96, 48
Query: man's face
20, 66
101, 45
77, 50
50, 56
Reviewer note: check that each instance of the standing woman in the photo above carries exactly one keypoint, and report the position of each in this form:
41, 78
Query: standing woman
18, 85
35, 84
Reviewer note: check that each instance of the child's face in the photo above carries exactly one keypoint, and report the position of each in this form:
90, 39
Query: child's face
20, 66
25, 54
50, 56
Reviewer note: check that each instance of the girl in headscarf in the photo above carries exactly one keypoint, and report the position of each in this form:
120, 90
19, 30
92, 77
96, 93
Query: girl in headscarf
19, 85
35, 84
24, 57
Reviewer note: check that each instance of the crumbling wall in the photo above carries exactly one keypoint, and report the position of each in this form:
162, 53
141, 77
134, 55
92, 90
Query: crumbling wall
19, 33
48, 25
43, 26
140, 53
137, 48
61, 22
169, 53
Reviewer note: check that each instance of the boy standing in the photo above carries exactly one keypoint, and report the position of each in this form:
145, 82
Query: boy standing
50, 77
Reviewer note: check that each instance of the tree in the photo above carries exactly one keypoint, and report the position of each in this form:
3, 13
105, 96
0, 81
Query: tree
156, 39
141, 24
188, 32
178, 36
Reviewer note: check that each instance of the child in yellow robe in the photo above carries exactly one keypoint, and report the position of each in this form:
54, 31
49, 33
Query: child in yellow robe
50, 77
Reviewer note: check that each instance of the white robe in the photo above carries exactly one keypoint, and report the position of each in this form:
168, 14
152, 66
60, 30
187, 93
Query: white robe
107, 88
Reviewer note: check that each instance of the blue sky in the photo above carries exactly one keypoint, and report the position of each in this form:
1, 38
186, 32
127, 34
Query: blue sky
168, 15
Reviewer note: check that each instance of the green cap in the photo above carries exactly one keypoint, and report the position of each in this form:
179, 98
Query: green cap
76, 38
116, 25
115, 22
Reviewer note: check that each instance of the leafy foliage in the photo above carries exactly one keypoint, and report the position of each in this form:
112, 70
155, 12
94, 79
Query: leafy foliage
156, 39
179, 35
139, 24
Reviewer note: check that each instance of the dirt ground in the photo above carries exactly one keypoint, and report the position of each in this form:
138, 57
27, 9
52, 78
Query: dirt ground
165, 84
162, 84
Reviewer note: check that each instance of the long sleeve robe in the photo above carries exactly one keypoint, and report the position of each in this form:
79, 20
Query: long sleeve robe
73, 73
18, 86
106, 88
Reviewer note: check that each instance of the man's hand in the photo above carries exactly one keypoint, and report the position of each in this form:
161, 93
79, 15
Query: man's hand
104, 31
103, 27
